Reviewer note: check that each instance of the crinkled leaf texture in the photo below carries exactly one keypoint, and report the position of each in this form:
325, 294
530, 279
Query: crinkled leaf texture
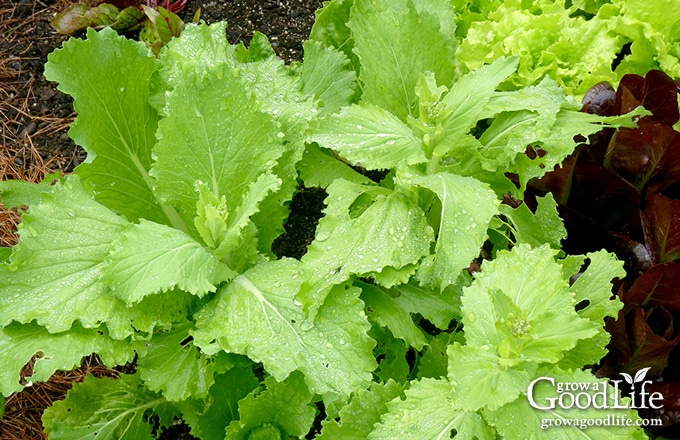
365, 230
489, 376
54, 275
257, 315
109, 77
149, 258
60, 351
282, 409
107, 409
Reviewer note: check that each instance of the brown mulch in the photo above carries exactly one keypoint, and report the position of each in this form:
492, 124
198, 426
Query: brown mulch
34, 122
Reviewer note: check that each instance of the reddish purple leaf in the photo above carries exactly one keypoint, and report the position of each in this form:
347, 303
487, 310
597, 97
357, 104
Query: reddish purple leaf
658, 287
643, 338
661, 226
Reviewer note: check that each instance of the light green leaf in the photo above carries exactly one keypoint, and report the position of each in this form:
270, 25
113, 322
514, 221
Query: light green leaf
437, 307
387, 312
396, 43
107, 409
213, 133
283, 406
430, 412
462, 224
593, 291
365, 228
530, 320
257, 315
545, 226
327, 74
594, 286
259, 49
200, 49
14, 193
330, 28
369, 136
60, 351
108, 76
174, 367
488, 384
465, 102
363, 411
55, 269
319, 168
150, 258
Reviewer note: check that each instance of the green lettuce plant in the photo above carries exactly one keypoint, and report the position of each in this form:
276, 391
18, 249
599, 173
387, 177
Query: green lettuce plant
157, 251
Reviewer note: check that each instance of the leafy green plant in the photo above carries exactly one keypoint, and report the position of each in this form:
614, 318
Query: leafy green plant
157, 251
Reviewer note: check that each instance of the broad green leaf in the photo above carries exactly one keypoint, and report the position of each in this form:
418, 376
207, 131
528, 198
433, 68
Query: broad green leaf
210, 420
535, 229
257, 315
365, 228
530, 320
330, 28
259, 49
467, 206
465, 102
396, 43
487, 385
150, 258
327, 74
387, 312
594, 286
319, 168
437, 307
55, 270
14, 193
108, 76
174, 367
200, 49
107, 409
214, 133
369, 136
60, 351
595, 302
283, 407
363, 411
556, 140
430, 412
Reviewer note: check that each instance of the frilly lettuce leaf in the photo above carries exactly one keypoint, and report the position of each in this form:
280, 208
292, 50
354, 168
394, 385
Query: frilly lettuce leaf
54, 272
429, 412
149, 258
61, 351
108, 409
362, 412
283, 409
395, 42
115, 123
257, 315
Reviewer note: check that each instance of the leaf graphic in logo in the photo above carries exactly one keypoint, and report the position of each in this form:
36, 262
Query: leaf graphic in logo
628, 377
640, 375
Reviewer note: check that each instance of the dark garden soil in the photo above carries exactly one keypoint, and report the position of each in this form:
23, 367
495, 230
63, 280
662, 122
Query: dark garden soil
34, 121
